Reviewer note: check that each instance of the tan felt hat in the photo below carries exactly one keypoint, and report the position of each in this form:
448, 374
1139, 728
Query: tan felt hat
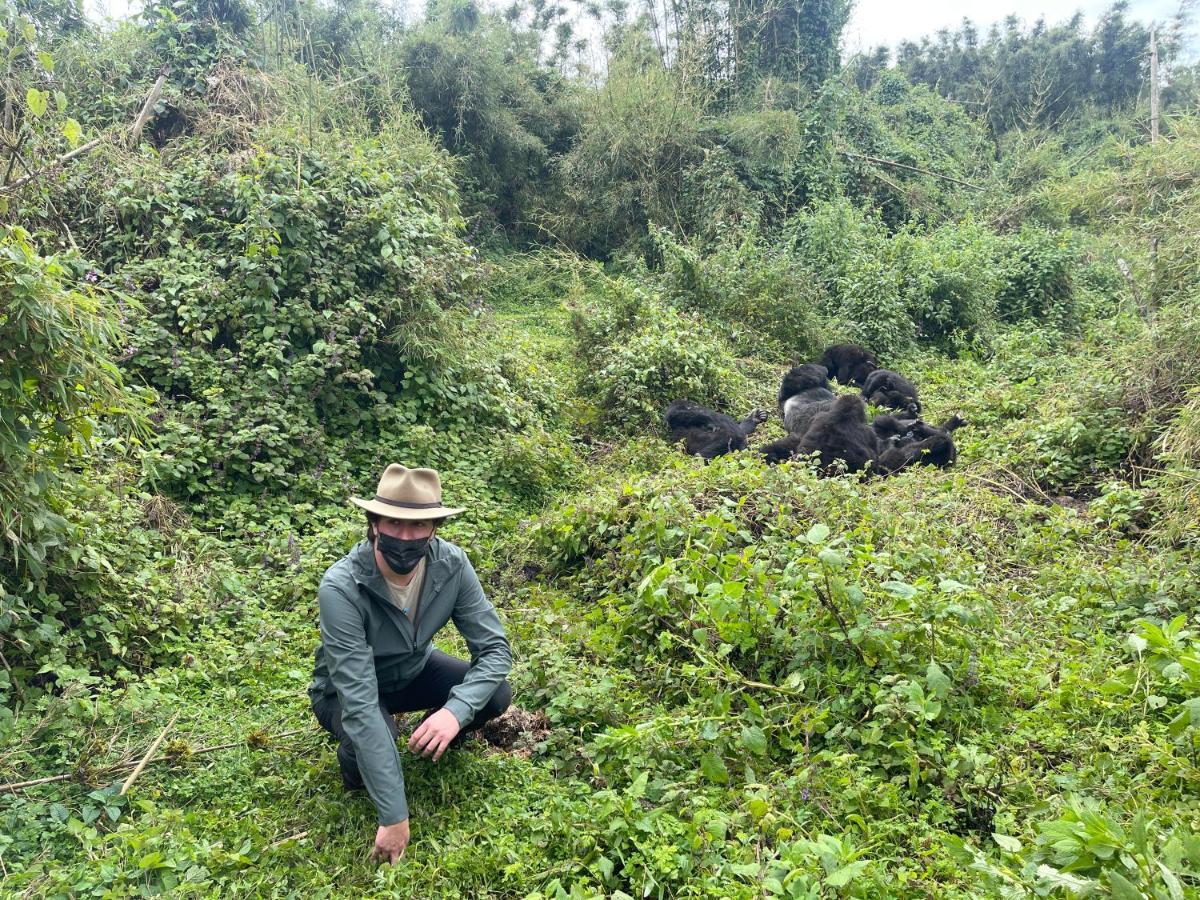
407, 494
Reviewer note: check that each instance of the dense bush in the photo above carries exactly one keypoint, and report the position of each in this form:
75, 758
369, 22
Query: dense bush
1036, 279
60, 397
288, 294
639, 354
949, 282
769, 300
850, 253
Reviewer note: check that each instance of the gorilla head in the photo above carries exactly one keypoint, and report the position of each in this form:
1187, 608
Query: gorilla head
849, 363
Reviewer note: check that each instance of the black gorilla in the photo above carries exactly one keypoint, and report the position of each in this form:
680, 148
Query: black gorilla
707, 433
804, 393
921, 444
841, 433
883, 387
849, 363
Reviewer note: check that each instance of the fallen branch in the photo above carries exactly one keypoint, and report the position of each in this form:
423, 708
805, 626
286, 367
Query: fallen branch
300, 835
144, 116
135, 133
900, 165
62, 160
145, 759
69, 776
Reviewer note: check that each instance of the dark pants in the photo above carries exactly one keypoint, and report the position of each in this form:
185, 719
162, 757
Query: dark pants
428, 691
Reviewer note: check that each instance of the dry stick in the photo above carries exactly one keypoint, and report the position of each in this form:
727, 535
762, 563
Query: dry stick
135, 134
145, 759
62, 160
95, 142
300, 835
900, 165
21, 785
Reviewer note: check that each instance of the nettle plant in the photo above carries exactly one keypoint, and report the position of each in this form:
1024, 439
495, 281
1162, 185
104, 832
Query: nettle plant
289, 293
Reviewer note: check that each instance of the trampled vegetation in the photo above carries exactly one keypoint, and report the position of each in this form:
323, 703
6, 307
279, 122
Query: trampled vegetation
499, 244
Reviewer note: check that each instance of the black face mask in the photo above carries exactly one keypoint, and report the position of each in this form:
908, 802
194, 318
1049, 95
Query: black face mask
401, 556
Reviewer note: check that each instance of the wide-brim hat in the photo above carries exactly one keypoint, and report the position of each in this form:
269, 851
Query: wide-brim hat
405, 493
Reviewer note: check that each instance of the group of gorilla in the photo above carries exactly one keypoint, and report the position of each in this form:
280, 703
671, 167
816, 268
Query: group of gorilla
830, 425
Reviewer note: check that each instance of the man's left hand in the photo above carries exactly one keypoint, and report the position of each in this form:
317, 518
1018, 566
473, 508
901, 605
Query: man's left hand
434, 735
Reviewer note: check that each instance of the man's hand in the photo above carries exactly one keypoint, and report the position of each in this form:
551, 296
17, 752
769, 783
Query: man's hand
434, 735
390, 842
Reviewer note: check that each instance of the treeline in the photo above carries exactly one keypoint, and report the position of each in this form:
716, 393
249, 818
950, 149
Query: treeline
1022, 76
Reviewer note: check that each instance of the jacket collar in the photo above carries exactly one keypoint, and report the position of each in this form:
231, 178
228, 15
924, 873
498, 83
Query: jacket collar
366, 573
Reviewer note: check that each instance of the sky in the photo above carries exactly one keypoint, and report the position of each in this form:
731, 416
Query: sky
888, 22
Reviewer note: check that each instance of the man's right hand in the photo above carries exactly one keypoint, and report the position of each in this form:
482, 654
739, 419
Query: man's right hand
390, 842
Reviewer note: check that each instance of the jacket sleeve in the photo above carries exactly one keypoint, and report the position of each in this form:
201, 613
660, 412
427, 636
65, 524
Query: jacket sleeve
491, 656
352, 672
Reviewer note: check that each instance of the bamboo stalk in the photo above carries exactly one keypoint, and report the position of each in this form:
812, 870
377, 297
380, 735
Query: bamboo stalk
900, 165
145, 759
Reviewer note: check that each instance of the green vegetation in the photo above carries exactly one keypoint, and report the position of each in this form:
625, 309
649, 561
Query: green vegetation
342, 240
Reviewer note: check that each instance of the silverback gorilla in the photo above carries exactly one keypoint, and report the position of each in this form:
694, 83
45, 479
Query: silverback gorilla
707, 433
805, 391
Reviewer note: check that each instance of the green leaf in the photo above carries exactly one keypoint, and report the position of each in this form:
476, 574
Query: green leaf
46, 60
713, 768
72, 132
36, 101
1122, 888
846, 874
937, 681
1006, 842
817, 534
754, 740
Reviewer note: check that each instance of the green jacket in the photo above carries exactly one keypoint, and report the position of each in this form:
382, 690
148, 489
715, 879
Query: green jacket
369, 647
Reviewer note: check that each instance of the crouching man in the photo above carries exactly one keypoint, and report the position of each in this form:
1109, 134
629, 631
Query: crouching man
381, 604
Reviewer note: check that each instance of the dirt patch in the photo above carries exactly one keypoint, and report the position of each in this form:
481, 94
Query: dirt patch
517, 731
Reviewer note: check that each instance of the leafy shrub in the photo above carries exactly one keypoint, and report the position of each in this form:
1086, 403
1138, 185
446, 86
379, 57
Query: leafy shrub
851, 256
1036, 278
284, 303
769, 300
950, 283
640, 354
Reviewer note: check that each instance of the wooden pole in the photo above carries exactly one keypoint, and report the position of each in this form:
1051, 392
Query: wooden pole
147, 113
1154, 85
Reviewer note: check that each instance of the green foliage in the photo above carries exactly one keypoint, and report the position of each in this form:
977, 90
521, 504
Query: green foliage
850, 254
639, 354
950, 282
770, 302
475, 81
627, 167
1036, 279
912, 126
285, 302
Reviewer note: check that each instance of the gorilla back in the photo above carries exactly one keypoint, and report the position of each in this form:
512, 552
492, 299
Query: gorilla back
708, 433
842, 435
805, 391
